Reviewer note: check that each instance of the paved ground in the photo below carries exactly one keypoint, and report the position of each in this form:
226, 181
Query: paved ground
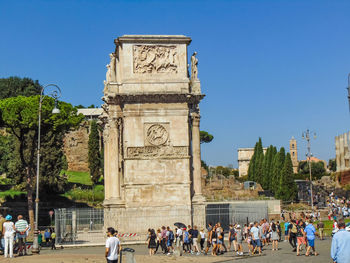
95, 255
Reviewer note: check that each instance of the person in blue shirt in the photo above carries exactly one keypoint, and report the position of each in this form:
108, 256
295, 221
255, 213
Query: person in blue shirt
340, 249
286, 224
310, 231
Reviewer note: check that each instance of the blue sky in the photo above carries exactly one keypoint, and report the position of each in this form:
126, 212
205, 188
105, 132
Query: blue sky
269, 68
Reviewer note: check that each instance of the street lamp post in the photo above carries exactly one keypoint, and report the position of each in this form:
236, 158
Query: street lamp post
56, 93
306, 136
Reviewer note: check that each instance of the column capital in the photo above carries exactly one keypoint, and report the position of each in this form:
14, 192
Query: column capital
195, 116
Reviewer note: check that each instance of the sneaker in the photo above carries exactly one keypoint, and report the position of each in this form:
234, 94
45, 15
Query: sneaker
168, 254
198, 253
241, 254
237, 253
192, 252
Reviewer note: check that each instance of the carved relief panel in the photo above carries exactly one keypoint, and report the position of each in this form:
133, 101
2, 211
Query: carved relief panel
155, 59
156, 134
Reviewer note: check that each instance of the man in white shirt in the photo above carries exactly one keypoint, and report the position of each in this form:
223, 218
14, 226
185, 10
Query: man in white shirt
113, 246
256, 238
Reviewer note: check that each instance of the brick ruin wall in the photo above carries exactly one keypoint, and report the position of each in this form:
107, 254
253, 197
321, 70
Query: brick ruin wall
76, 148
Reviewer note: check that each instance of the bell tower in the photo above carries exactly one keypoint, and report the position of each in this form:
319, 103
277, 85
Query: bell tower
294, 153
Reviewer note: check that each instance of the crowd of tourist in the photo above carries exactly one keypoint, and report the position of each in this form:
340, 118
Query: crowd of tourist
338, 207
257, 235
13, 236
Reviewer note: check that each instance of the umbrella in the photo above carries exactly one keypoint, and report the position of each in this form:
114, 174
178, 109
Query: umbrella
180, 225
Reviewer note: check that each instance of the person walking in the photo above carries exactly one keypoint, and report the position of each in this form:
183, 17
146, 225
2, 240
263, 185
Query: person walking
301, 237
8, 230
53, 240
320, 227
209, 231
310, 231
292, 235
239, 240
151, 240
159, 239
2, 244
47, 236
232, 239
21, 228
340, 248
286, 224
113, 246
255, 233
202, 235
163, 240
195, 234
274, 236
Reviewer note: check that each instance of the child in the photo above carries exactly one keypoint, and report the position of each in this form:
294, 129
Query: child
239, 239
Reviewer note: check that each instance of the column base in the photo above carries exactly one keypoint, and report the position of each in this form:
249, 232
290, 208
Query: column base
198, 199
114, 203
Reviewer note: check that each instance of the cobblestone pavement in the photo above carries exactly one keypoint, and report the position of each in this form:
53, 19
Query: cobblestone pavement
95, 255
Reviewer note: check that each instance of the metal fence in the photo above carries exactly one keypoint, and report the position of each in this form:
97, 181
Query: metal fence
228, 213
85, 225
72, 223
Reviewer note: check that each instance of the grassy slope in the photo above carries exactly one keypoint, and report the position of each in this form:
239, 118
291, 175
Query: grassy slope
78, 177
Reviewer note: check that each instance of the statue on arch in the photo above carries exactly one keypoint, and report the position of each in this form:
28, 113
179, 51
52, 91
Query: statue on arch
194, 67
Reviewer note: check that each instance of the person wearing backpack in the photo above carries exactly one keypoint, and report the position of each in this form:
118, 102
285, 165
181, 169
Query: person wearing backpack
292, 235
186, 241
169, 240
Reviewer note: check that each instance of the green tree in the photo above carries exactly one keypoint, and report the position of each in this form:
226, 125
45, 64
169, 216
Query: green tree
15, 86
19, 115
94, 153
205, 137
278, 163
6, 151
317, 169
287, 188
332, 165
252, 164
268, 167
255, 169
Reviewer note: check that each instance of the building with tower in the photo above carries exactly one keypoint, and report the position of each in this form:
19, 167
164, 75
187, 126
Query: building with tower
294, 153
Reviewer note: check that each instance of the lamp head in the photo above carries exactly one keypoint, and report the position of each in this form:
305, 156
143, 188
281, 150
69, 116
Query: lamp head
55, 109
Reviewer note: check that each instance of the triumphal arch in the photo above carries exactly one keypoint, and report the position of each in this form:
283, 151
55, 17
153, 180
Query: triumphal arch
152, 160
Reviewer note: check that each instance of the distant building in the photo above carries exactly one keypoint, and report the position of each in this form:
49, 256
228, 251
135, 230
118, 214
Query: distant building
91, 113
294, 154
342, 153
244, 156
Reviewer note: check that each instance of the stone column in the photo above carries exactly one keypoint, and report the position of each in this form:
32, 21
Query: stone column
196, 155
114, 160
106, 161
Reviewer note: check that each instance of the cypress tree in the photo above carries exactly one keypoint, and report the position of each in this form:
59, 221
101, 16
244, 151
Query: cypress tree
277, 169
259, 169
251, 168
287, 189
268, 165
94, 153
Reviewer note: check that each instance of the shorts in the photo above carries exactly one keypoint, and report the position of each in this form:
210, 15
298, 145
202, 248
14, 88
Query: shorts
286, 233
208, 243
311, 242
219, 242
232, 239
256, 243
301, 240
112, 261
213, 241
169, 243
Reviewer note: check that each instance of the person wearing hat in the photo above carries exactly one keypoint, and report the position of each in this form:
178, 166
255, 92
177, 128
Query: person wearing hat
239, 239
8, 229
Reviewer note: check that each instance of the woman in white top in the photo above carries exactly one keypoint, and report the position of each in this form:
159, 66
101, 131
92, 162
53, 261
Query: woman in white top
8, 230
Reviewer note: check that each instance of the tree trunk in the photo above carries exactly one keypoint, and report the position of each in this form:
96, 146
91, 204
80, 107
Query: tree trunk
30, 200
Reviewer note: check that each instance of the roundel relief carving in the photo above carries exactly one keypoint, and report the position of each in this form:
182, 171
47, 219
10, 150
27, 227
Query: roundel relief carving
157, 134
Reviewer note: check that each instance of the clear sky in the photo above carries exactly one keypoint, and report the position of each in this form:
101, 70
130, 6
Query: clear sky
269, 68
